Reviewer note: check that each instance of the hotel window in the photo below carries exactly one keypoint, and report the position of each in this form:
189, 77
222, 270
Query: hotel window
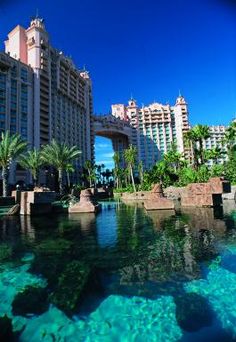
14, 71
24, 74
12, 129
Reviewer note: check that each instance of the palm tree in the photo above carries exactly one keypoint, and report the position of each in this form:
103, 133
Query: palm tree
116, 158
190, 142
32, 161
201, 133
173, 157
89, 166
194, 139
102, 170
230, 138
214, 154
59, 156
161, 170
107, 175
69, 169
130, 155
11, 147
140, 171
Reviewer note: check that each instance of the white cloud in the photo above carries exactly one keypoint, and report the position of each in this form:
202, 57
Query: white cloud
101, 145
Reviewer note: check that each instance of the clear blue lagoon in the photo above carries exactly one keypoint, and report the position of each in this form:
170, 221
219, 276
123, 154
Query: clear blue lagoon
123, 275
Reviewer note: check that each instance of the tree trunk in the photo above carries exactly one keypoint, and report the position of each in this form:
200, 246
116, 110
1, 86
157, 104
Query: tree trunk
60, 173
201, 152
35, 178
90, 180
5, 181
132, 178
68, 179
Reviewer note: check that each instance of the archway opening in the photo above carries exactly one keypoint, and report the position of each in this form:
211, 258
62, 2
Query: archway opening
104, 159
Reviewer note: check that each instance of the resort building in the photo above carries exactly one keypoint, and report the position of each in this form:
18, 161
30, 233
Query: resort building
217, 134
155, 128
61, 106
16, 102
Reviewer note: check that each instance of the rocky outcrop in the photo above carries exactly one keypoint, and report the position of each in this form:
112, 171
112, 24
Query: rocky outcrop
231, 195
33, 300
87, 203
173, 192
157, 201
71, 284
37, 202
205, 194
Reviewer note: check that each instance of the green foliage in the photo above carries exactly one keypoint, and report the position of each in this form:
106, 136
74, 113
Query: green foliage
173, 158
194, 138
91, 172
130, 155
203, 174
214, 154
230, 138
230, 170
32, 161
11, 147
59, 156
128, 188
187, 175
217, 170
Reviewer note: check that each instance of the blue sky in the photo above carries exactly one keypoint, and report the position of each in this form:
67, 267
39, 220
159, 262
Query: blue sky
150, 48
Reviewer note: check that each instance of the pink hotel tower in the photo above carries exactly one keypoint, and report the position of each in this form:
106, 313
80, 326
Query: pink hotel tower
58, 95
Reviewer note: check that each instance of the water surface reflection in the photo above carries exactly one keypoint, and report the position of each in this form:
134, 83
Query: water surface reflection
129, 253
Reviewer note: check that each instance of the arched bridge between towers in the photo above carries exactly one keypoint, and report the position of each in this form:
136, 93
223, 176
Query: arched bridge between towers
119, 131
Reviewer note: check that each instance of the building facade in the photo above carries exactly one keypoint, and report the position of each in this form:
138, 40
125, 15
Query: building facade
155, 128
60, 103
217, 134
16, 102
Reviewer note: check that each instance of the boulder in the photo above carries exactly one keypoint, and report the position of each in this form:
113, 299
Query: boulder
32, 300
205, 194
157, 201
70, 285
5, 252
193, 312
6, 329
87, 203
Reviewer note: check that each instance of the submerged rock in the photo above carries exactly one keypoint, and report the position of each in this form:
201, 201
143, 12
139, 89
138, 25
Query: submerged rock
71, 283
32, 300
193, 312
5, 252
54, 246
6, 329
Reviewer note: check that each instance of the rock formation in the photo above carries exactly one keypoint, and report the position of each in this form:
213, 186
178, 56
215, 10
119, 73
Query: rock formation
157, 201
87, 203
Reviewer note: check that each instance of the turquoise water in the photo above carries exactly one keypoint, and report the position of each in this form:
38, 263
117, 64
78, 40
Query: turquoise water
123, 275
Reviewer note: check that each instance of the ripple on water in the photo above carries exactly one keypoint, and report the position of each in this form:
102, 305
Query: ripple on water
116, 319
